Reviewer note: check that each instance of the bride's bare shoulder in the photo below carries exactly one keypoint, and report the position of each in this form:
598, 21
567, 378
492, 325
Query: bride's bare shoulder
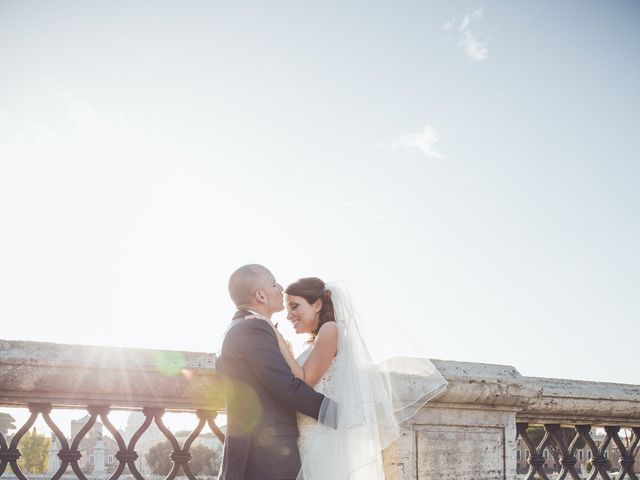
329, 329
327, 335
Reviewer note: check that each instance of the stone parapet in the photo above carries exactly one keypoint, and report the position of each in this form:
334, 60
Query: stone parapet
468, 432
80, 375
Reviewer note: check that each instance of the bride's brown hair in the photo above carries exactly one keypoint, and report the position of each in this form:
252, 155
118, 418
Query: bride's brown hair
312, 289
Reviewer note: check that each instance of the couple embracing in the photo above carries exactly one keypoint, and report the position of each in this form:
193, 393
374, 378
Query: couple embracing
325, 415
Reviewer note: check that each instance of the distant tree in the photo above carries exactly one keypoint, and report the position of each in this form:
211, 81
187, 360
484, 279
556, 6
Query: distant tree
7, 422
158, 458
536, 434
204, 461
35, 452
566, 434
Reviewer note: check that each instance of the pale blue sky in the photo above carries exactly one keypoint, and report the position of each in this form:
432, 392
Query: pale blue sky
468, 169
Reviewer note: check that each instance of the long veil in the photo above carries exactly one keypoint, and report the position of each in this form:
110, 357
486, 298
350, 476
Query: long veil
364, 409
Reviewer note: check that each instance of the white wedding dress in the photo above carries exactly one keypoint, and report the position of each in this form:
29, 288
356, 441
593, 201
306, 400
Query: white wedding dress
360, 403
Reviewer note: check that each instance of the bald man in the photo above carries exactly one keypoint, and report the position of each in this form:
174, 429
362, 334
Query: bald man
261, 393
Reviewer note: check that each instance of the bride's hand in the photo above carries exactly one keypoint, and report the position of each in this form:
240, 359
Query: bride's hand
282, 343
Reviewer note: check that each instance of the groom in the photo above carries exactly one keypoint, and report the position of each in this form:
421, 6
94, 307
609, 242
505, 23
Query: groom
261, 393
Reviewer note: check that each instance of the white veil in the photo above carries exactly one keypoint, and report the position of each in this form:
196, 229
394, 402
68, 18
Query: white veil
366, 414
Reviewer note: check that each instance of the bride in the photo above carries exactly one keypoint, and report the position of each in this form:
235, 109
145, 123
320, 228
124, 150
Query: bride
336, 363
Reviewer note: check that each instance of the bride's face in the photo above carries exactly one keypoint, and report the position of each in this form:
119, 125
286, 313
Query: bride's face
303, 315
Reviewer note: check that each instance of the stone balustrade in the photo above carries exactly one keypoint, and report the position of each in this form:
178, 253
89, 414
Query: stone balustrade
479, 428
473, 430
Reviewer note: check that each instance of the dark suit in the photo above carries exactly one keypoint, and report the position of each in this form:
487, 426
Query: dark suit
262, 397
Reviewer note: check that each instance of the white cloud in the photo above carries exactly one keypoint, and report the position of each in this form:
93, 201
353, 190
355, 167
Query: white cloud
424, 140
476, 50
469, 40
448, 25
465, 23
471, 17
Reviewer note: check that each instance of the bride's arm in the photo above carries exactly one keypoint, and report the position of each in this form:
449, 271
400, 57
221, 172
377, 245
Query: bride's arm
320, 358
285, 349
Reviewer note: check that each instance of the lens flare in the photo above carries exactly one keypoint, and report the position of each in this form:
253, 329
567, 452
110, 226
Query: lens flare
245, 400
170, 363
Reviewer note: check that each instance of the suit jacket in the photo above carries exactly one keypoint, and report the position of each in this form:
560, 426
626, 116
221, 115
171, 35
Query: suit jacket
262, 397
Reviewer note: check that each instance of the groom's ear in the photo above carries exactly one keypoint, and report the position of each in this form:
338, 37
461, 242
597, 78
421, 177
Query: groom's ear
260, 296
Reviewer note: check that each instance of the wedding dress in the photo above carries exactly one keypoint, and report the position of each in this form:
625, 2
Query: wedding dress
326, 386
363, 407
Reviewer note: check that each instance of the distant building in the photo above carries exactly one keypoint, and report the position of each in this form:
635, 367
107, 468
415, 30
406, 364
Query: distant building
98, 452
151, 437
583, 455
625, 437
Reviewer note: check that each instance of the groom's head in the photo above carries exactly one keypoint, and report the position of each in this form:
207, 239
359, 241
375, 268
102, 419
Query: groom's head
254, 287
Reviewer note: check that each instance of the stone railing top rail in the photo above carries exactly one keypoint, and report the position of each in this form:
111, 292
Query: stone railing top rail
80, 375
74, 375
476, 385
44, 354
578, 401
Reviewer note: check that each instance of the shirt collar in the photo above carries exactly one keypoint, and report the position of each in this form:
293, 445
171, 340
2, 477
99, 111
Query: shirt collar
256, 313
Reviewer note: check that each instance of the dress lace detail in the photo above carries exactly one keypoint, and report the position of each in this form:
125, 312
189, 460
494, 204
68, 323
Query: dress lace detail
326, 386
